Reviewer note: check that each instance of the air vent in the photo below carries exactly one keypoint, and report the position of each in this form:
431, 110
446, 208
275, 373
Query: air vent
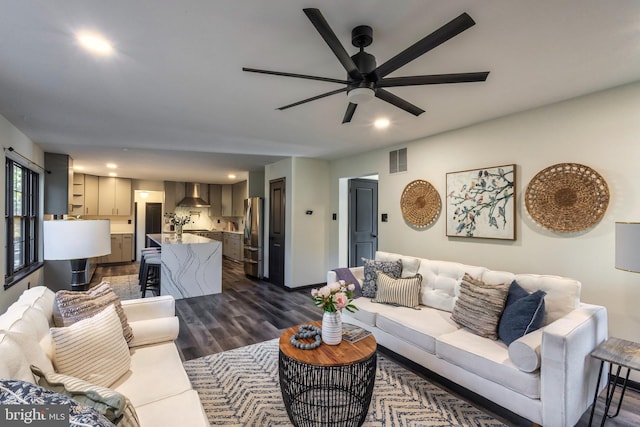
398, 161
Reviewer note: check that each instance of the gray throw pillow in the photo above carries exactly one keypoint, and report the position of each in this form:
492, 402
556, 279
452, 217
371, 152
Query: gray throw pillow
392, 269
480, 306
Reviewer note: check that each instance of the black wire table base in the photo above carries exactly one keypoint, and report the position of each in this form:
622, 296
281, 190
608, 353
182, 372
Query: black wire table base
327, 395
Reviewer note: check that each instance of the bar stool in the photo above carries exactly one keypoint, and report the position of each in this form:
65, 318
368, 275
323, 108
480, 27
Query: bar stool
144, 253
151, 275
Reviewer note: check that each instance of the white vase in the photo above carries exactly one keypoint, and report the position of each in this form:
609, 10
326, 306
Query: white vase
331, 328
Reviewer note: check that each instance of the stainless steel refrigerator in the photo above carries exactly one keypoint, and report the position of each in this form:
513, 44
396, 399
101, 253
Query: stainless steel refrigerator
253, 237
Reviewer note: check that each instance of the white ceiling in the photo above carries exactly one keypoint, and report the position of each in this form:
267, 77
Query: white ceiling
174, 104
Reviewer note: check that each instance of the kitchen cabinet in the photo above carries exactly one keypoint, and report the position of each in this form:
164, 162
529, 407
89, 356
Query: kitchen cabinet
121, 249
239, 195
90, 195
232, 246
227, 200
58, 184
215, 200
114, 196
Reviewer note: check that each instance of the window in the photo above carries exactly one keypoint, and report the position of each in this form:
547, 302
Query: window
21, 221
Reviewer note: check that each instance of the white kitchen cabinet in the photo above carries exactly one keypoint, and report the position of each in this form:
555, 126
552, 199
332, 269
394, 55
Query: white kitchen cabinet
90, 195
114, 196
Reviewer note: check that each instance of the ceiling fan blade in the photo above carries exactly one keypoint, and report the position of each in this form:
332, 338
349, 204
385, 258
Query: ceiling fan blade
299, 76
435, 39
331, 39
398, 102
433, 79
348, 115
333, 92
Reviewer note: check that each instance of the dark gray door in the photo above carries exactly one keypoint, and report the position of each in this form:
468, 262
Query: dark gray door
363, 220
277, 221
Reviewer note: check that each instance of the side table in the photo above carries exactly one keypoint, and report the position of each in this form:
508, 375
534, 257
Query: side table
624, 354
327, 386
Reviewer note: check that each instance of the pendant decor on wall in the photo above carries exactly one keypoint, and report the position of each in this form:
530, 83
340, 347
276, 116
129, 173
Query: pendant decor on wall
567, 197
420, 203
481, 203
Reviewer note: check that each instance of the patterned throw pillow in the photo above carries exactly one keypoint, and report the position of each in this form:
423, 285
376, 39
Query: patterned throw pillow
92, 349
523, 313
390, 268
16, 392
480, 306
113, 405
404, 291
72, 306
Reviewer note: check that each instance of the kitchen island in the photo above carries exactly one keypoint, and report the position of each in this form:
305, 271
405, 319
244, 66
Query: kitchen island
191, 265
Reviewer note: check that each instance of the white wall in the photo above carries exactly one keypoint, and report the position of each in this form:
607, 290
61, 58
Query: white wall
10, 136
600, 130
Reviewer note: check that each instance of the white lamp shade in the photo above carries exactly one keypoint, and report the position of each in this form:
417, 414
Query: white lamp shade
628, 246
76, 239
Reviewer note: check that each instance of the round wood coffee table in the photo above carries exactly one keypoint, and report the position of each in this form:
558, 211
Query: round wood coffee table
330, 385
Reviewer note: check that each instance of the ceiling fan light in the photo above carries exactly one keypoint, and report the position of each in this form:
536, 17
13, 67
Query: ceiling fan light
360, 95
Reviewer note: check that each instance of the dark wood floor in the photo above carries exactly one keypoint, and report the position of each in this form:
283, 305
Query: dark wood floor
250, 311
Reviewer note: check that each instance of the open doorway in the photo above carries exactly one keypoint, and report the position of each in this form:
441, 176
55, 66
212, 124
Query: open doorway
148, 216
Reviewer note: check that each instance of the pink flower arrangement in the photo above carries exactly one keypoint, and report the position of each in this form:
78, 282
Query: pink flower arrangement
334, 296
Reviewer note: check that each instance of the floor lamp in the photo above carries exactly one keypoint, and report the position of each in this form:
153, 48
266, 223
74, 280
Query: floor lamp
628, 246
76, 241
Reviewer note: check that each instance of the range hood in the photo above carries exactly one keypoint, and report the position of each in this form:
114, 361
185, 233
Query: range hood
192, 197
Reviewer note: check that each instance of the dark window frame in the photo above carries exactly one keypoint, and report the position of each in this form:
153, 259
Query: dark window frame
22, 205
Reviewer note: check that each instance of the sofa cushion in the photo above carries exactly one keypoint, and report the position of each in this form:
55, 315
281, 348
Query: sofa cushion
16, 392
420, 328
410, 264
92, 349
156, 373
72, 306
441, 282
488, 359
403, 291
13, 363
480, 306
523, 313
28, 327
163, 412
525, 351
367, 311
39, 297
563, 294
371, 267
113, 405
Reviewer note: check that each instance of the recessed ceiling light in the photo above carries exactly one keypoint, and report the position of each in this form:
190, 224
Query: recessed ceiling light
382, 123
113, 174
78, 168
112, 166
94, 43
231, 176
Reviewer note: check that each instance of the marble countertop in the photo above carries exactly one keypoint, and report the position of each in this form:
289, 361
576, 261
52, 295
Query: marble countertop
187, 239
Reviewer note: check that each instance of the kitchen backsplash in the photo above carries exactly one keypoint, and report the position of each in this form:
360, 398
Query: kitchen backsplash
200, 220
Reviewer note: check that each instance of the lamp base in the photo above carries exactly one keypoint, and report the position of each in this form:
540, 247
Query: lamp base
79, 274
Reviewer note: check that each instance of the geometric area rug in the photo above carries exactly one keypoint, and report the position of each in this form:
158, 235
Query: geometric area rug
240, 387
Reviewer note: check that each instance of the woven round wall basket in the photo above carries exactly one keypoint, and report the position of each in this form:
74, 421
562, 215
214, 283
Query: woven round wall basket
420, 203
567, 197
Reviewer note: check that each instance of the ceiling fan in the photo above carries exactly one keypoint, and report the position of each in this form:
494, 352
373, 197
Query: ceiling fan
365, 80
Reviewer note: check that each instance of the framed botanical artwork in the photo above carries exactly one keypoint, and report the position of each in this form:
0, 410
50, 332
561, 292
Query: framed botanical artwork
481, 203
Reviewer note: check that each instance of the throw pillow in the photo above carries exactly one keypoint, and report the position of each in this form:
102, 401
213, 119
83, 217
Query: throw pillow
523, 313
403, 291
390, 268
113, 405
480, 306
92, 349
72, 306
16, 392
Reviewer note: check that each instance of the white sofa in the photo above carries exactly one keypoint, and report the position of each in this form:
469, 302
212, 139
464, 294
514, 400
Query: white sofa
156, 383
546, 376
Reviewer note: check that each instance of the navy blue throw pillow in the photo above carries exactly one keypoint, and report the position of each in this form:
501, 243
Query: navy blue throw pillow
523, 313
